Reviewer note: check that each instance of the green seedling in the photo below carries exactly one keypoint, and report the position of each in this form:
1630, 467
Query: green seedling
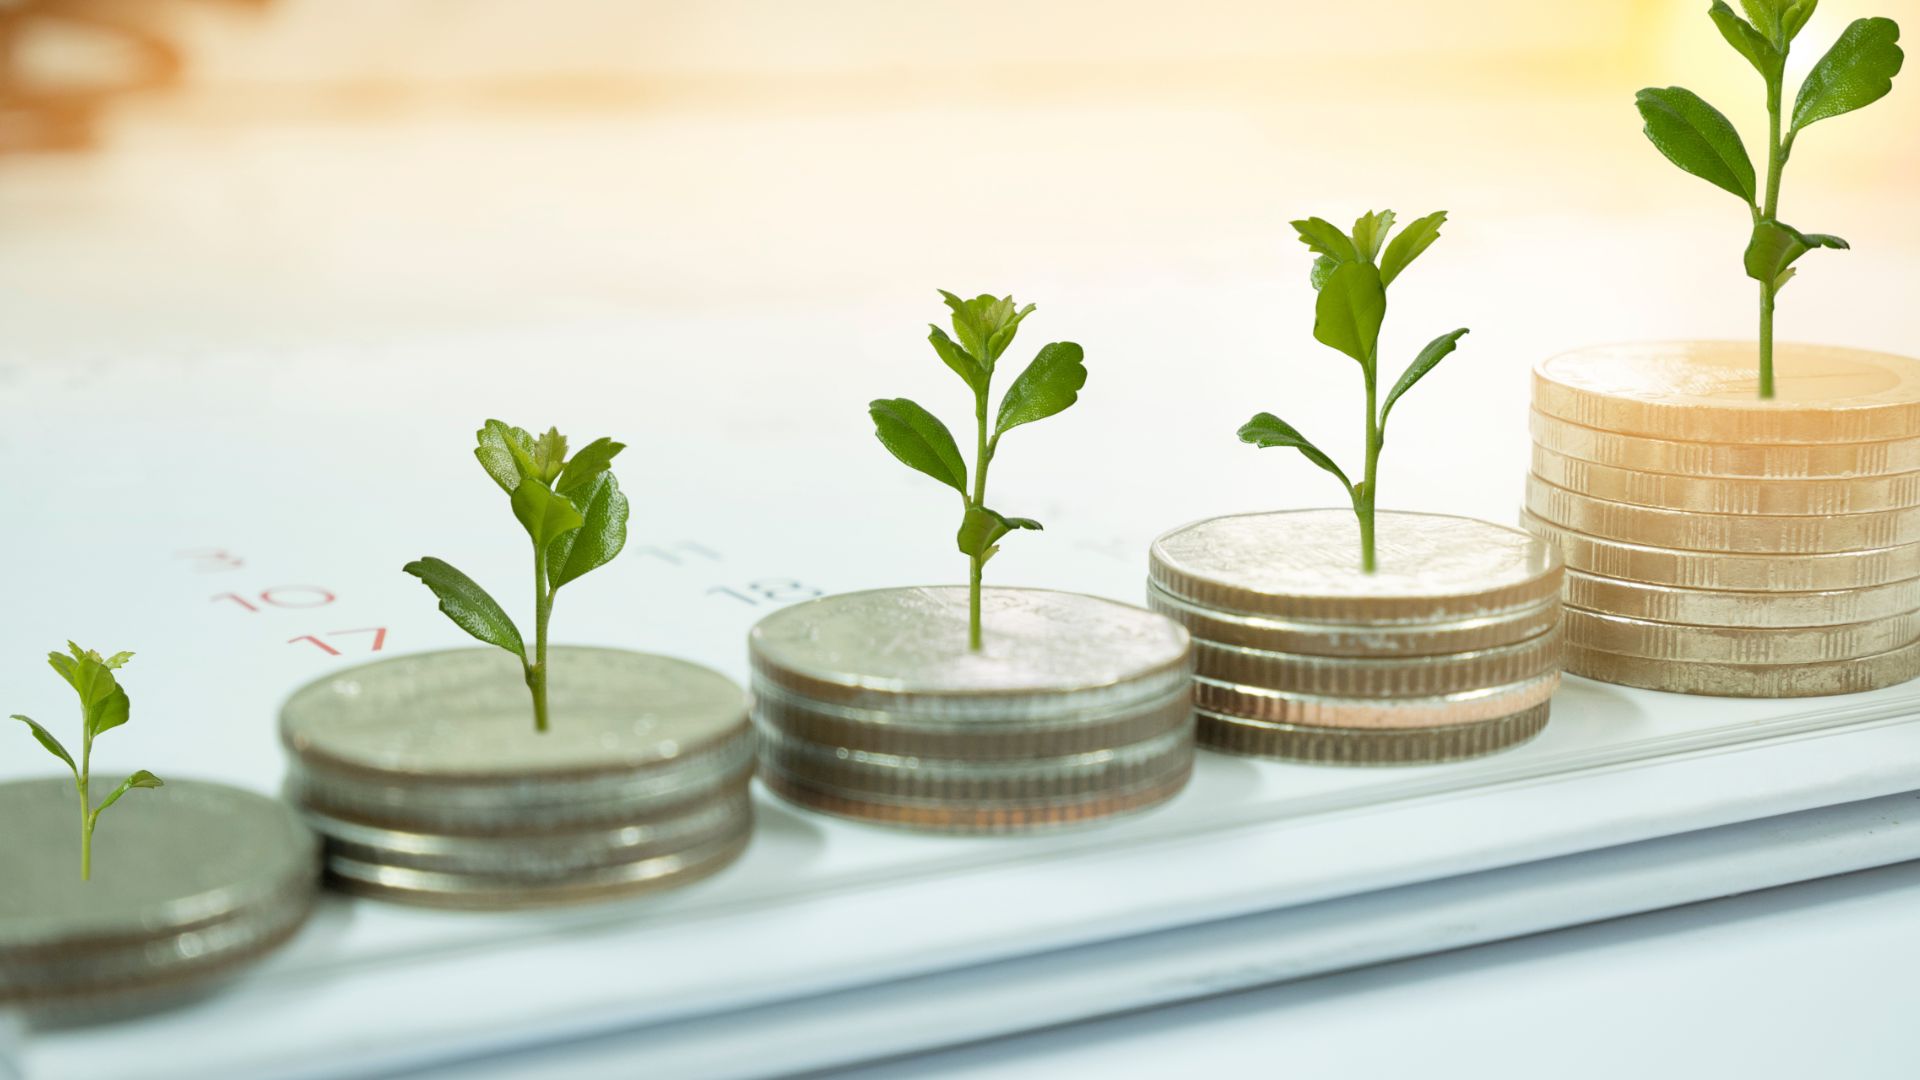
573, 512
983, 327
1351, 275
1694, 135
103, 707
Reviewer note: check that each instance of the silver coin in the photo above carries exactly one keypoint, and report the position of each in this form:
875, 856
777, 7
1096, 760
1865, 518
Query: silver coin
1380, 677
1045, 654
1369, 746
1359, 639
1303, 565
539, 857
1319, 710
166, 863
492, 892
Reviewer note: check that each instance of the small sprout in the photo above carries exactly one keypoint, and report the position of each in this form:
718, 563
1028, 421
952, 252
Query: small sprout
573, 512
983, 327
1697, 137
1351, 275
103, 707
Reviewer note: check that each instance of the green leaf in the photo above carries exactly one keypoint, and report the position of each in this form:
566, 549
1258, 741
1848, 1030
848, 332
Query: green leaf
981, 530
506, 452
141, 779
1049, 385
1268, 430
103, 704
586, 466
544, 514
1776, 246
1408, 246
1794, 18
1323, 268
1855, 73
1324, 238
1349, 310
1436, 351
971, 371
1765, 15
598, 540
549, 455
468, 605
919, 440
1747, 41
1370, 233
985, 324
111, 712
1697, 137
52, 744
1002, 335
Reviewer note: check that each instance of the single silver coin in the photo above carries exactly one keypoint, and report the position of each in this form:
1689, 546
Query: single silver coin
168, 864
1044, 654
1304, 566
1443, 638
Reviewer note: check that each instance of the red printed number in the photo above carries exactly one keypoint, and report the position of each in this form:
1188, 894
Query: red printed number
379, 639
281, 596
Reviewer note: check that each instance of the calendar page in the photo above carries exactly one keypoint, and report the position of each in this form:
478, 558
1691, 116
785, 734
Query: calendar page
231, 418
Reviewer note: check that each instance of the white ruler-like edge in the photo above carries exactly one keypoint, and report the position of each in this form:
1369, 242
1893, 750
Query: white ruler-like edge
354, 1020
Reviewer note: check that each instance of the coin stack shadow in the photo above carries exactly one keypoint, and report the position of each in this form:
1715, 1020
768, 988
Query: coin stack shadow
869, 705
1781, 559
191, 884
1300, 656
643, 782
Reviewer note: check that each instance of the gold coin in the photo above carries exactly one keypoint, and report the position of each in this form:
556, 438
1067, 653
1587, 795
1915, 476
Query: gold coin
1779, 462
1748, 680
971, 817
1379, 677
1720, 607
1708, 391
1304, 566
1740, 645
1284, 707
1686, 530
1342, 639
1712, 570
1716, 495
1363, 746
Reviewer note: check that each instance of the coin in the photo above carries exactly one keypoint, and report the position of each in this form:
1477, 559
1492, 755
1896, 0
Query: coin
1369, 746
1714, 570
445, 741
1044, 654
1711, 607
1303, 566
1743, 495
538, 857
1712, 459
1740, 645
1748, 680
1709, 392
901, 734
1720, 533
1379, 677
188, 881
994, 818
485, 892
1340, 639
1313, 710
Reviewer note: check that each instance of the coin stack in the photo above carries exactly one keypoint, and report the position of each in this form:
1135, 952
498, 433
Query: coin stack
1448, 650
430, 785
870, 705
1718, 543
191, 882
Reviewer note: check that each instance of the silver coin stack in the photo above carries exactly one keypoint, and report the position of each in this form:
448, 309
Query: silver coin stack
1449, 650
870, 705
430, 786
191, 883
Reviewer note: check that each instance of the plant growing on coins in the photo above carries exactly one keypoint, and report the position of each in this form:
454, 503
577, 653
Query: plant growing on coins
983, 328
1351, 274
103, 707
1697, 137
572, 510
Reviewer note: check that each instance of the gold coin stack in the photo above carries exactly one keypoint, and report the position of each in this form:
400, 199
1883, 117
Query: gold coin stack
1449, 650
1718, 543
